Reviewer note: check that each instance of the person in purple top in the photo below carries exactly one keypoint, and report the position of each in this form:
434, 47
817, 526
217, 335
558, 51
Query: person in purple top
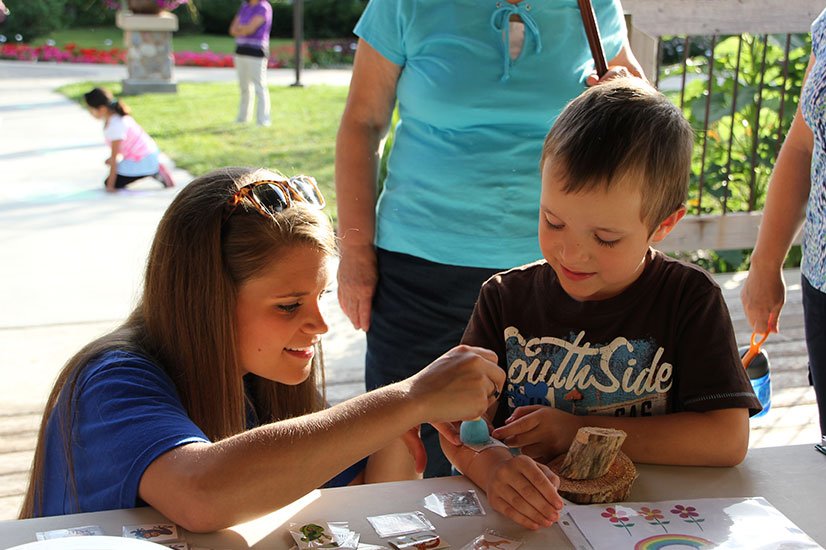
251, 29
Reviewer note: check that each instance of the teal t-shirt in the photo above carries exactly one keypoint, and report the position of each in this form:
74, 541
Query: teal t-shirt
463, 179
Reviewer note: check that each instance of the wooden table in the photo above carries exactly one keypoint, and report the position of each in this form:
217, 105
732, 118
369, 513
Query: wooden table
793, 479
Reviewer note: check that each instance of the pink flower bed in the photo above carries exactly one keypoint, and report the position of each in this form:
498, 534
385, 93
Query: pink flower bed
70, 53
211, 59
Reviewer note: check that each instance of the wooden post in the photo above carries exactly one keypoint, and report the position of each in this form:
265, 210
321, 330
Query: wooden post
298, 36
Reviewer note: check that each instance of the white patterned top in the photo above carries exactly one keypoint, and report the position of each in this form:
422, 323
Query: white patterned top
813, 106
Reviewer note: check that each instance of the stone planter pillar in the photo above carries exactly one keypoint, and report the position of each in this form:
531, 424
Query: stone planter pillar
148, 43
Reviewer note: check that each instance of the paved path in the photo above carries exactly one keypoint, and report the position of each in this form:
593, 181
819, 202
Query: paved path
71, 259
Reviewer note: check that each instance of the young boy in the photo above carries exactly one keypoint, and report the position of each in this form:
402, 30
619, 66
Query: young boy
606, 331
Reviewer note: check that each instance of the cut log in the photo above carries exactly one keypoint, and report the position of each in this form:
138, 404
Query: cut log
614, 486
592, 452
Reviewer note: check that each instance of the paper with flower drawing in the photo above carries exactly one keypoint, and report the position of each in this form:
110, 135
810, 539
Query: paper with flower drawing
682, 524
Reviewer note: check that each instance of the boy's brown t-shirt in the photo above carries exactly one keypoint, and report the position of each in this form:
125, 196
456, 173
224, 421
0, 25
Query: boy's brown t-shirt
664, 345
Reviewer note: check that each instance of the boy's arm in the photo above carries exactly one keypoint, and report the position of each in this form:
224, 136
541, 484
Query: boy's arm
713, 438
516, 486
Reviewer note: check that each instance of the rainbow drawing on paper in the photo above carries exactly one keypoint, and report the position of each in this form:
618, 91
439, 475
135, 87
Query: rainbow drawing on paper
659, 542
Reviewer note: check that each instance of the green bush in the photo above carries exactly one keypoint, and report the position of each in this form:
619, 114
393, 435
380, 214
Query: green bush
33, 18
741, 145
331, 18
87, 13
215, 16
732, 162
322, 18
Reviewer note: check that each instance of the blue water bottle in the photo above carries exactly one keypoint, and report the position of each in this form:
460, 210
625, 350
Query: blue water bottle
759, 373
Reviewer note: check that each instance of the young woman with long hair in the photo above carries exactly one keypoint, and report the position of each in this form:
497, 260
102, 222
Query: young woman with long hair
208, 402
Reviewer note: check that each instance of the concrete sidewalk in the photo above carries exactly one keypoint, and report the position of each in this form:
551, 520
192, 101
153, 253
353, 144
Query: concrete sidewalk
72, 257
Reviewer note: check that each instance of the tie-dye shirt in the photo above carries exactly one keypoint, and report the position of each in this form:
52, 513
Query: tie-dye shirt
813, 106
664, 345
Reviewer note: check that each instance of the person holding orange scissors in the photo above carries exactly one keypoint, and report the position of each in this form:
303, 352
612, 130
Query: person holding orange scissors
797, 194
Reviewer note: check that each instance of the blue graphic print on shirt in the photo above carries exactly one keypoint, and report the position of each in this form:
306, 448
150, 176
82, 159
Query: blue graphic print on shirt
621, 378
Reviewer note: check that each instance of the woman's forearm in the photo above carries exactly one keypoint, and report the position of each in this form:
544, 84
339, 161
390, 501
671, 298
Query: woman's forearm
357, 161
224, 483
786, 199
220, 484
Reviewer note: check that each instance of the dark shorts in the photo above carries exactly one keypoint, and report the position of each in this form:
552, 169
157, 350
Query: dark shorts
122, 181
814, 318
420, 311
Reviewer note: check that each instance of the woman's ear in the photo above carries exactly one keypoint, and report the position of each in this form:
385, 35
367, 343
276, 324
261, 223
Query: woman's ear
667, 225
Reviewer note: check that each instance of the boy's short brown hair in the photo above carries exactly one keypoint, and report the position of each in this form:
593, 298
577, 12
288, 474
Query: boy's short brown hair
624, 131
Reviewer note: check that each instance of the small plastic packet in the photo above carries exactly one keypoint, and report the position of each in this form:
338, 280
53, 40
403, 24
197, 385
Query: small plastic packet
492, 539
424, 540
457, 503
322, 534
403, 523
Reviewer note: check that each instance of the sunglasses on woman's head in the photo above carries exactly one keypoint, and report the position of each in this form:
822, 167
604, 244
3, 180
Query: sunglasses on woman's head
270, 197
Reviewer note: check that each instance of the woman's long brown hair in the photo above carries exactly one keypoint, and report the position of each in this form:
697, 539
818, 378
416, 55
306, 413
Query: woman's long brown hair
185, 320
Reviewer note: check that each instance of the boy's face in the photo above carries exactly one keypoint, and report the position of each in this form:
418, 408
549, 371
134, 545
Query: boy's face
595, 241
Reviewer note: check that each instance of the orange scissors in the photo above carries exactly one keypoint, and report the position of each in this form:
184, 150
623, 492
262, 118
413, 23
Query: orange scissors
754, 347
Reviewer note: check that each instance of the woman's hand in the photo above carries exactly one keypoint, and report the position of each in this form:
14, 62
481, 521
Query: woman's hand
357, 278
614, 72
525, 491
540, 432
459, 385
763, 296
621, 66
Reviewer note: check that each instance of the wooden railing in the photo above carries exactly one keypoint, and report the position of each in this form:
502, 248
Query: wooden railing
648, 20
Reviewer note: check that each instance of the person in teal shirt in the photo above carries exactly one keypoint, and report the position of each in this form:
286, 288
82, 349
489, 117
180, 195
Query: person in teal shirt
478, 84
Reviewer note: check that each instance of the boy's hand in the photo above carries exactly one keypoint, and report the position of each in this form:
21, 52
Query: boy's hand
525, 491
540, 432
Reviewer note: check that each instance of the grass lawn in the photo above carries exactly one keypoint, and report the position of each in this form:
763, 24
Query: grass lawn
97, 37
196, 128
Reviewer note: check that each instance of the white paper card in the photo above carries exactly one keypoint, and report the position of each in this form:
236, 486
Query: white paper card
695, 523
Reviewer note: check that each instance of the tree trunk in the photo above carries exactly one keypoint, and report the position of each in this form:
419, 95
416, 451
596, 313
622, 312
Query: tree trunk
592, 452
595, 470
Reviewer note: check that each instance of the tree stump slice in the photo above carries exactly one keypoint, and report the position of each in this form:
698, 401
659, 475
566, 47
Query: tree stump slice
592, 452
613, 486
